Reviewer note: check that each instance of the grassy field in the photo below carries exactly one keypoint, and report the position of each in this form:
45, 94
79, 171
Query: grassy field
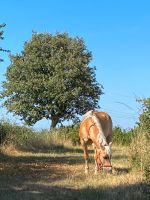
59, 174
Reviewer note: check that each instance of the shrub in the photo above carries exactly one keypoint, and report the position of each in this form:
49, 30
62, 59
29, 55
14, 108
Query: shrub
140, 153
25, 138
74, 134
122, 137
3, 133
69, 133
15, 134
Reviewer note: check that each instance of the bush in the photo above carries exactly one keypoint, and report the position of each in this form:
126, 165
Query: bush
74, 134
140, 153
3, 133
25, 138
122, 137
15, 134
69, 133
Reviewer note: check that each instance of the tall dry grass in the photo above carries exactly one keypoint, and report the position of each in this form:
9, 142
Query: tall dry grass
140, 152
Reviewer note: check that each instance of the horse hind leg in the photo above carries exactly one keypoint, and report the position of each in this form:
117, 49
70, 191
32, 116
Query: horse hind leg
86, 156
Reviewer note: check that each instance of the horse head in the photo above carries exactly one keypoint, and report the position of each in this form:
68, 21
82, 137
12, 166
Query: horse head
103, 158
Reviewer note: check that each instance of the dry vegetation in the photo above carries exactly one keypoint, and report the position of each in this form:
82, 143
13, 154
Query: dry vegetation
58, 173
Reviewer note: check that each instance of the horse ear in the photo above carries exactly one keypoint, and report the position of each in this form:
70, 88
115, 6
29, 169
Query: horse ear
110, 143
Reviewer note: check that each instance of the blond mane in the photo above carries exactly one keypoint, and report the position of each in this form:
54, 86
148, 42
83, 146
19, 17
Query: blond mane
101, 137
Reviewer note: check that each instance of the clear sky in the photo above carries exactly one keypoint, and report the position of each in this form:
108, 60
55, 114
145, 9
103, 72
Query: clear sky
117, 32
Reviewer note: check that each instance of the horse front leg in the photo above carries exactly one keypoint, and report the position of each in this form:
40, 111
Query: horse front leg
96, 168
86, 156
95, 159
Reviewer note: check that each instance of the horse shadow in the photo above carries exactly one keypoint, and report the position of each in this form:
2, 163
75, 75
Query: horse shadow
123, 170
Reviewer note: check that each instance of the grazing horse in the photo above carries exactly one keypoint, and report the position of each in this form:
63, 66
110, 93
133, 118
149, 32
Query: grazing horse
96, 129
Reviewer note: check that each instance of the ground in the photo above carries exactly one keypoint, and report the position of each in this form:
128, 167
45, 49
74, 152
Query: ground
58, 174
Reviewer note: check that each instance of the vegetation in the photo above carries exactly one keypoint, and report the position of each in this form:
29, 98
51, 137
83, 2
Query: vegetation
123, 137
47, 166
51, 78
140, 146
23, 135
1, 38
140, 153
144, 119
15, 135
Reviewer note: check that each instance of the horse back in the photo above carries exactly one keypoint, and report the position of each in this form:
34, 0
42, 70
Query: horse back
104, 121
85, 126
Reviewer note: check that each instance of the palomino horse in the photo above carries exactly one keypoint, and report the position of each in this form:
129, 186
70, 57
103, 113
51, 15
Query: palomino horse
96, 128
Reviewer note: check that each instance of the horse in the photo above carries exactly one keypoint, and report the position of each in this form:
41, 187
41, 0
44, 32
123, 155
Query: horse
96, 129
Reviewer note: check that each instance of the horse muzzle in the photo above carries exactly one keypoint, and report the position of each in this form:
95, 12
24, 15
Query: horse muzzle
107, 169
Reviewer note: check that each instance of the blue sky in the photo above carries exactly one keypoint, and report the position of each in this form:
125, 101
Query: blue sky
117, 32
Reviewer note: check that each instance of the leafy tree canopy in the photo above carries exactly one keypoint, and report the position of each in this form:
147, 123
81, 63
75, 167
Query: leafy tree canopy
51, 78
1, 38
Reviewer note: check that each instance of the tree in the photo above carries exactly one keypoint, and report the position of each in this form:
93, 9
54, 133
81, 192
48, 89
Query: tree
51, 78
1, 38
144, 119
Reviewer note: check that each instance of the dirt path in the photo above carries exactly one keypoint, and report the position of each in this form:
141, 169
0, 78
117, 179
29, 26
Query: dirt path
60, 175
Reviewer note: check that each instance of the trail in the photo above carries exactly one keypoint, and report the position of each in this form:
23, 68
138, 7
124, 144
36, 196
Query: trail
60, 175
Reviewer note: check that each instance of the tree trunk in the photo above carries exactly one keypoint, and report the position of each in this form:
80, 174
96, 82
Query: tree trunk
54, 122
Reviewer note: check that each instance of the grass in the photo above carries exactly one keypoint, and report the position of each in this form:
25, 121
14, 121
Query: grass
58, 173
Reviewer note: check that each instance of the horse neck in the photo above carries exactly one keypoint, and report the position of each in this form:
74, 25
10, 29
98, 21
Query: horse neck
100, 135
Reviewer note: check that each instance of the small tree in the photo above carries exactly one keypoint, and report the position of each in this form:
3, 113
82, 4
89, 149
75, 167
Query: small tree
1, 38
144, 119
51, 78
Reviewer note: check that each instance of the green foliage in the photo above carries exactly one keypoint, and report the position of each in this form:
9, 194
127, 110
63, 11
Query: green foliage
26, 138
140, 146
1, 38
51, 78
3, 132
122, 137
72, 133
144, 119
140, 152
15, 134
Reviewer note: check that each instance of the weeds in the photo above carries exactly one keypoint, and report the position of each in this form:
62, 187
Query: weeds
140, 153
23, 138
